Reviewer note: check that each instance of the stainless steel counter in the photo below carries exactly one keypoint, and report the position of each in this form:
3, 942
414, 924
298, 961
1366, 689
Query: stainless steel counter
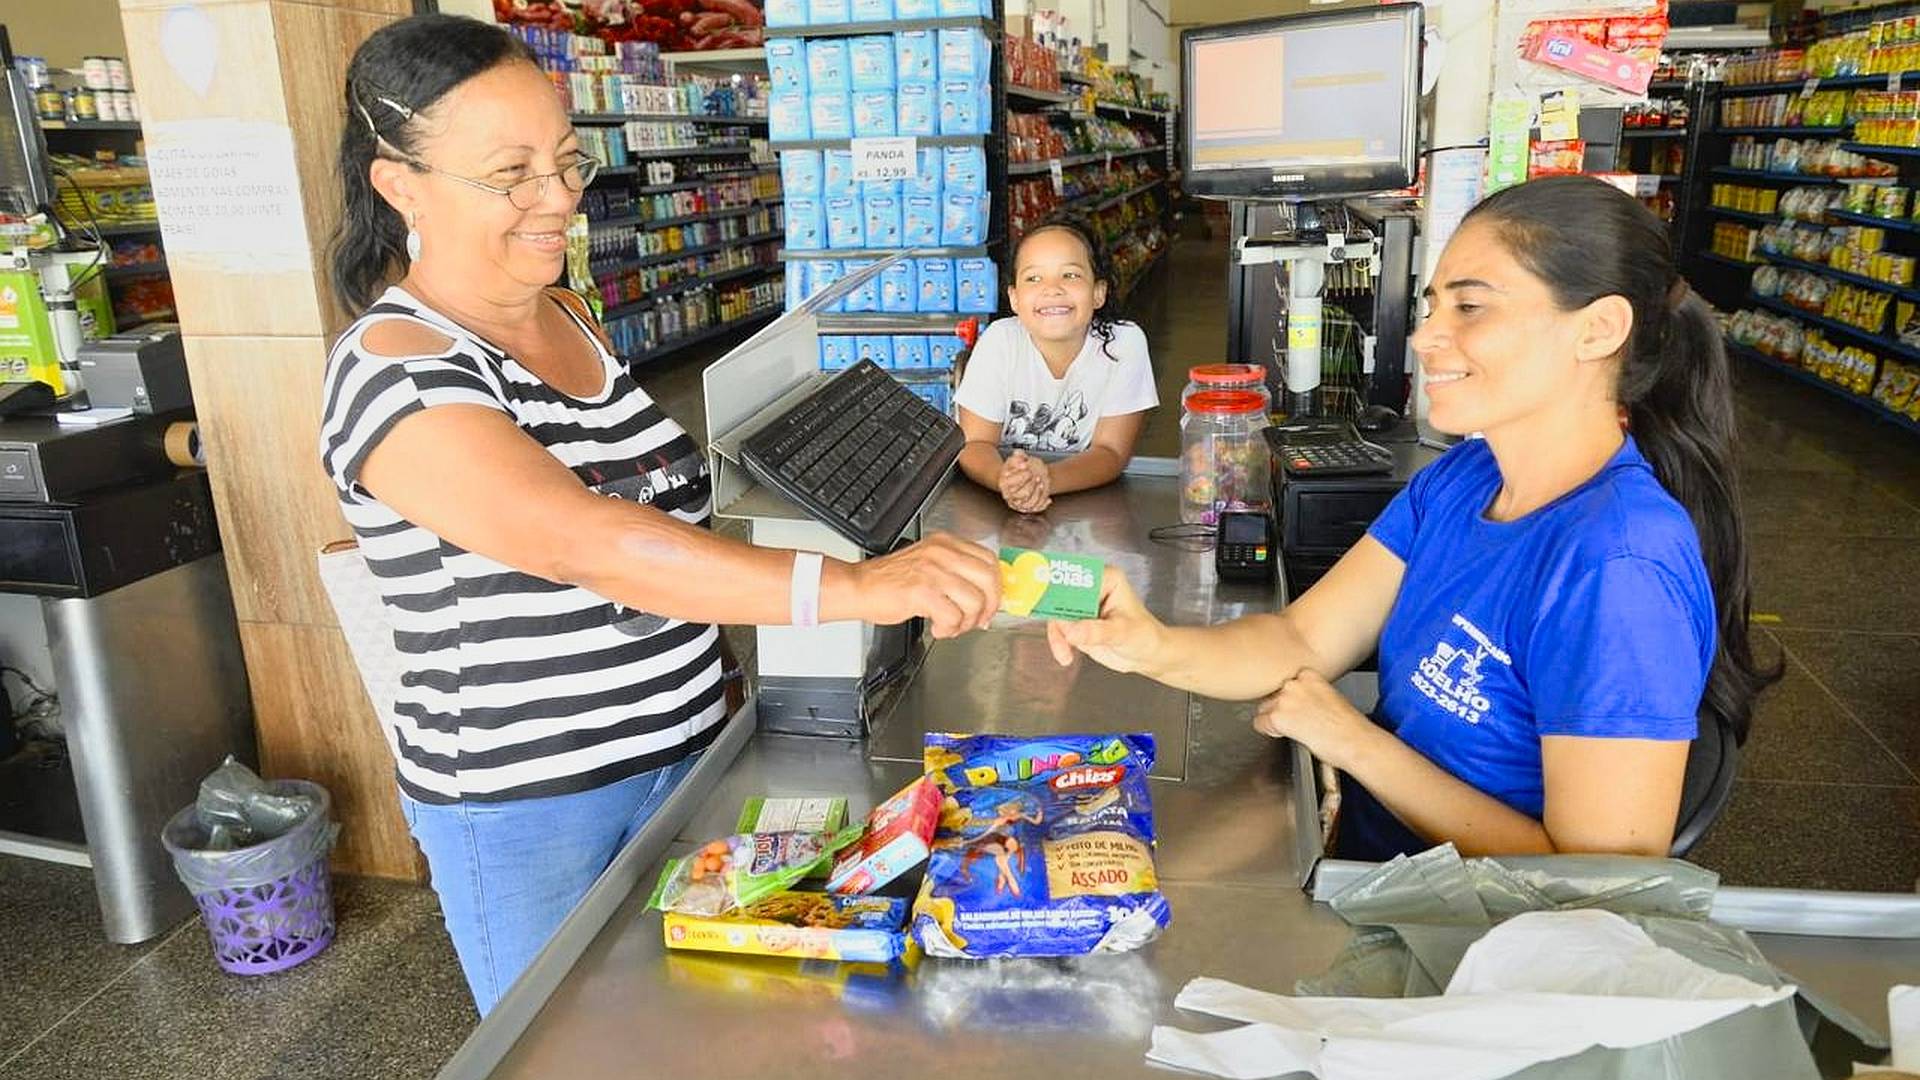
606, 999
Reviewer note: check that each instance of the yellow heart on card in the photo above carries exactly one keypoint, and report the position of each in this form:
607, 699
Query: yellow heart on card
1022, 582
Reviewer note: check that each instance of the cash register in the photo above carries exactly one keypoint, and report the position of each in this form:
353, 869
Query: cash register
841, 463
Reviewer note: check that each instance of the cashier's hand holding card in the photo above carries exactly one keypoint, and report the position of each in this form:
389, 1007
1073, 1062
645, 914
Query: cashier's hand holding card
1123, 636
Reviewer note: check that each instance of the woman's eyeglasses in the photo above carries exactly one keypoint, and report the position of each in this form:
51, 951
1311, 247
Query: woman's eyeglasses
526, 194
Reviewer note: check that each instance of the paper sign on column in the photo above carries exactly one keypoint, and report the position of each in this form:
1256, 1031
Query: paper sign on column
884, 159
1508, 124
229, 195
1560, 116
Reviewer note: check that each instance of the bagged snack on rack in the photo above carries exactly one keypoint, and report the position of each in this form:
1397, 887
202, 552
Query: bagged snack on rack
741, 870
1045, 847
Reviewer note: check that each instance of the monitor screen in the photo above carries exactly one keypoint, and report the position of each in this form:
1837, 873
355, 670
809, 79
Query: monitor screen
1315, 104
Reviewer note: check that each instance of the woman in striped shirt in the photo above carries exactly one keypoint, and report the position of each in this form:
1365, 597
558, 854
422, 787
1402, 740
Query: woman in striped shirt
537, 525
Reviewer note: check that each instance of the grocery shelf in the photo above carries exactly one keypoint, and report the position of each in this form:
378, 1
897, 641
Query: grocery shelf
1028, 168
892, 26
90, 125
699, 336
1884, 151
145, 269
612, 119
1716, 257
843, 144
974, 252
1793, 178
731, 59
892, 322
1833, 82
1884, 344
1046, 97
1130, 110
1896, 224
668, 256
1653, 133
1903, 292
685, 219
1745, 215
1125, 195
1786, 129
655, 296
1860, 401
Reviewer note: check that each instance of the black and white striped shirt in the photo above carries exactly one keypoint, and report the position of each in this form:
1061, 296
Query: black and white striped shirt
518, 687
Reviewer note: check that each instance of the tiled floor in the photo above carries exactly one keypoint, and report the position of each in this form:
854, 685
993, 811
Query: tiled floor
1829, 795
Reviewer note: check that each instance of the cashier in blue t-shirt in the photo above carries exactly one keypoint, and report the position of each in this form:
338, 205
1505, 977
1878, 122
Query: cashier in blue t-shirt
1557, 607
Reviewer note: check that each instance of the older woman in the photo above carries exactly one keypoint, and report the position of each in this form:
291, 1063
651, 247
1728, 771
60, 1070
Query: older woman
537, 524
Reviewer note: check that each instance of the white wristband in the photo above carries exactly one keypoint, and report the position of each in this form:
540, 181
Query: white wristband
803, 599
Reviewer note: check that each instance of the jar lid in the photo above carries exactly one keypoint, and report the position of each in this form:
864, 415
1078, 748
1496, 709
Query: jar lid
1225, 402
1225, 374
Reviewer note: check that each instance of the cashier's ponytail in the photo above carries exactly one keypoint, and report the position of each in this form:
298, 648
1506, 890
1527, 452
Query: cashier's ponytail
1587, 239
397, 74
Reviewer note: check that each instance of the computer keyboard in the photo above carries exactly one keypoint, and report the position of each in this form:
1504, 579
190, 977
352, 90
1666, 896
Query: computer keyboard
861, 454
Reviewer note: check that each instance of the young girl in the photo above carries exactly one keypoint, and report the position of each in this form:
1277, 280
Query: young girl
1062, 379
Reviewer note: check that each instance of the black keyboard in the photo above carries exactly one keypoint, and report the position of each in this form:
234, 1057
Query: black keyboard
1327, 451
861, 454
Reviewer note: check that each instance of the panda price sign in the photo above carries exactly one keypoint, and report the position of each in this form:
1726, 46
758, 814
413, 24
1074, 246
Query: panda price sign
884, 159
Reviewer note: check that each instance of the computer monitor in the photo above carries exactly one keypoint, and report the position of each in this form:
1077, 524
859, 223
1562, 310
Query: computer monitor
1303, 106
24, 184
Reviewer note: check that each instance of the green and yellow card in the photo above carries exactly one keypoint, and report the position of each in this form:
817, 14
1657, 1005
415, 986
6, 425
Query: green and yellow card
1048, 585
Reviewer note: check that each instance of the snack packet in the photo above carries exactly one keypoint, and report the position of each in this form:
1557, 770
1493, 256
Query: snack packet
809, 925
739, 871
1045, 847
1049, 585
898, 834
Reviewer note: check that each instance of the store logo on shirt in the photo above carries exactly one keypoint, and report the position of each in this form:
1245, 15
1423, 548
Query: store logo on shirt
1450, 675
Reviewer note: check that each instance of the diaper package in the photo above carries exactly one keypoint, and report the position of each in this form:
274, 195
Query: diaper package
927, 170
935, 280
831, 114
920, 221
836, 351
828, 68
882, 224
960, 111
806, 223
845, 225
800, 172
915, 56
787, 115
836, 173
787, 64
964, 54
963, 220
896, 287
871, 11
916, 111
821, 274
874, 113
865, 296
875, 347
909, 352
964, 170
976, 286
872, 60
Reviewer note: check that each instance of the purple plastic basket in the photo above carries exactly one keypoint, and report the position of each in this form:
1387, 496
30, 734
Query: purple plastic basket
267, 928
260, 927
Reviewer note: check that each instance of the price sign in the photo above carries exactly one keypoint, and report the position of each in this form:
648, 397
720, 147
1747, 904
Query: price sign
1811, 88
884, 159
1059, 178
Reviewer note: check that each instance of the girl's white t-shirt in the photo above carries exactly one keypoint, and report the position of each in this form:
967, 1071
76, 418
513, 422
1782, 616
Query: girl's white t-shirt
1007, 382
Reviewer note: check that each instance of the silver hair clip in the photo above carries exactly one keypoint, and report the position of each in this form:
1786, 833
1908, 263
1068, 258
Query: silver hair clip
405, 113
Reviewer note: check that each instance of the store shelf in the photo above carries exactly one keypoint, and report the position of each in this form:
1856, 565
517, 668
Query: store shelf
699, 336
730, 59
893, 322
648, 224
1667, 86
1076, 78
1884, 344
652, 153
136, 270
1861, 280
148, 319
1045, 97
1129, 110
668, 256
1825, 132
1881, 151
1859, 401
881, 253
1125, 195
1029, 168
1834, 82
615, 119
90, 125
1653, 133
1794, 178
842, 144
682, 185
1715, 257
894, 26
1745, 215
678, 287
1895, 224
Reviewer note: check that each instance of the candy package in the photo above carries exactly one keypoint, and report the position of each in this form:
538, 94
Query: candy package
897, 835
741, 870
1044, 848
809, 925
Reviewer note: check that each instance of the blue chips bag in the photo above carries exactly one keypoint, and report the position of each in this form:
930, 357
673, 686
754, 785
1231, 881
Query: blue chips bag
1045, 847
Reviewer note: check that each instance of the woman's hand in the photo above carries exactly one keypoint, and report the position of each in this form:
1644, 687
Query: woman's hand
1309, 710
953, 584
1126, 636
1024, 483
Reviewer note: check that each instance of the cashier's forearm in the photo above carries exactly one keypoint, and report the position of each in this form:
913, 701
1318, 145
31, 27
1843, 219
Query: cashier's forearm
981, 461
1089, 468
1241, 660
1439, 806
642, 558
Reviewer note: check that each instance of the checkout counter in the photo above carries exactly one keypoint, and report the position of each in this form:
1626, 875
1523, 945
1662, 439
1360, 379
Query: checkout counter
1238, 859
114, 597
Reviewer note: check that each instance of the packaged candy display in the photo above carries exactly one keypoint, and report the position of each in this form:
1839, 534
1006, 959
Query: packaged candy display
897, 836
1031, 64
1824, 108
741, 870
1658, 112
1809, 157
1732, 241
1896, 387
807, 925
1047, 585
1887, 118
1223, 456
1044, 848
1556, 158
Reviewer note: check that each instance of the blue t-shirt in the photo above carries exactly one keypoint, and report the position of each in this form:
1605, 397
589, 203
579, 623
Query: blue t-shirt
1591, 616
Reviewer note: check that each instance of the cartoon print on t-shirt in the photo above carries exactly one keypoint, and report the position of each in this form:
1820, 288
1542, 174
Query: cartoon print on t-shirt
1450, 675
1045, 427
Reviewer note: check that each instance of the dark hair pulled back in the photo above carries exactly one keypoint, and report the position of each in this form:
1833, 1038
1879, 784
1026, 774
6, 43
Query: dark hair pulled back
1587, 239
397, 74
1101, 266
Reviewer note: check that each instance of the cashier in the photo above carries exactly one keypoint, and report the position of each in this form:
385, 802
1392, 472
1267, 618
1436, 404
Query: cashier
1557, 606
536, 524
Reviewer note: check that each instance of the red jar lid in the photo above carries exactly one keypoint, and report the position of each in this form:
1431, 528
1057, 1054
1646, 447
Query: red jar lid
1226, 374
1225, 402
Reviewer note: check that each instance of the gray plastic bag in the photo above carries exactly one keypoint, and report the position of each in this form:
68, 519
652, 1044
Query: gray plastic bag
205, 869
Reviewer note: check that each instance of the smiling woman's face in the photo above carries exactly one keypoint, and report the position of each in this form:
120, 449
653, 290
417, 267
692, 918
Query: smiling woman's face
1054, 292
499, 128
1494, 346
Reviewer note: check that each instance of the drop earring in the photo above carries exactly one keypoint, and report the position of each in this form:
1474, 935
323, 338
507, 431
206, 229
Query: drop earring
413, 238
